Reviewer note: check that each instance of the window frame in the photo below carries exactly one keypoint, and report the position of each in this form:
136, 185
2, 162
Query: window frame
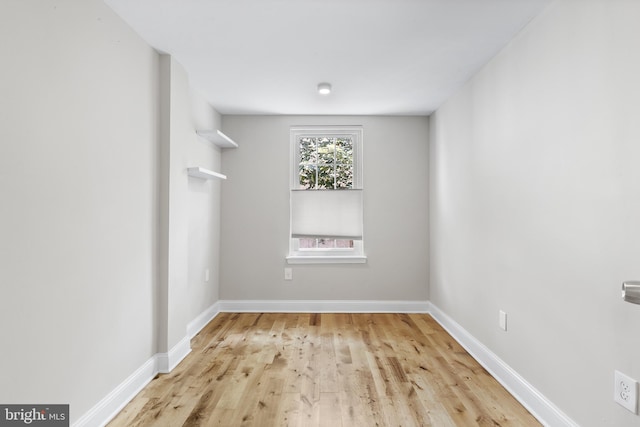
325, 255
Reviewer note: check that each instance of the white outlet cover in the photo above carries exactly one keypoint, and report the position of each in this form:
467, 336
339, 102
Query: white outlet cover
626, 391
502, 323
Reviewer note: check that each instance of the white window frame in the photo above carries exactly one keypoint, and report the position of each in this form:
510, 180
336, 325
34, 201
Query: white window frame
353, 255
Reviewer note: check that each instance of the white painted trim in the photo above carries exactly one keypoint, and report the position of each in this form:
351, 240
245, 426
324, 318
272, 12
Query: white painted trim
168, 361
541, 407
308, 259
105, 410
323, 306
202, 320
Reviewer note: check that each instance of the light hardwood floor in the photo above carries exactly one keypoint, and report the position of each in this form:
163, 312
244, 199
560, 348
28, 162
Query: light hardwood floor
329, 370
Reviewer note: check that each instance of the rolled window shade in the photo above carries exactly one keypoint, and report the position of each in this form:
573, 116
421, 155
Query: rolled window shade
326, 213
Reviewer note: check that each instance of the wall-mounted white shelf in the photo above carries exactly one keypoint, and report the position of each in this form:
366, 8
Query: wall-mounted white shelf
218, 138
203, 173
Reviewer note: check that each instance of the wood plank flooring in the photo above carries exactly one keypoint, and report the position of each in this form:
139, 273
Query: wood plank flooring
283, 369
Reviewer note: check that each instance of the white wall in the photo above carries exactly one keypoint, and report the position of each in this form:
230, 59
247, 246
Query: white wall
78, 160
204, 212
86, 112
535, 205
255, 213
190, 208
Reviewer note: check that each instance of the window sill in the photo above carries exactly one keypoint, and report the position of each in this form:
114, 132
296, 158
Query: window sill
360, 259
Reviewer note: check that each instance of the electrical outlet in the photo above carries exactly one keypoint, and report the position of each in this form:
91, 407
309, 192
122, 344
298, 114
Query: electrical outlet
206, 275
502, 322
626, 392
288, 273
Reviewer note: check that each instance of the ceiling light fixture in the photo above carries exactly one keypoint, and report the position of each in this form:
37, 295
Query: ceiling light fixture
324, 88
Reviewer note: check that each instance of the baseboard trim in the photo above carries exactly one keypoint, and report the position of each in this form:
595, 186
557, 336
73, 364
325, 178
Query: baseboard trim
202, 320
168, 361
323, 306
105, 410
115, 401
541, 407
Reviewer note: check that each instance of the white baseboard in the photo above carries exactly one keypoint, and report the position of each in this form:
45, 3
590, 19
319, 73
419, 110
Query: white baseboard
105, 410
113, 403
323, 306
541, 407
202, 320
168, 361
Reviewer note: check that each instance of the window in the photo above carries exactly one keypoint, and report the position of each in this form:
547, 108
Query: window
326, 195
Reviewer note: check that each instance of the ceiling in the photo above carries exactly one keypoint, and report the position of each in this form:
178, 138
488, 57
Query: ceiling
382, 57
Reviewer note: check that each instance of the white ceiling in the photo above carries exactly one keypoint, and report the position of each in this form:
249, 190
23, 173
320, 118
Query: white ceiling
387, 57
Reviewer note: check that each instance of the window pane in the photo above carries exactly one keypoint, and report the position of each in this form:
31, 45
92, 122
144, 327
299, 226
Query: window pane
326, 150
333, 161
344, 160
344, 148
308, 243
344, 244
326, 177
308, 176
321, 243
344, 176
326, 243
308, 150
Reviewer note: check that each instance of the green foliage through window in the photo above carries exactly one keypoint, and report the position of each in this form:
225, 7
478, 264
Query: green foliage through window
326, 163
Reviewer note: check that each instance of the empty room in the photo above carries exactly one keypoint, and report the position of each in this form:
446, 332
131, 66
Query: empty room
319, 213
